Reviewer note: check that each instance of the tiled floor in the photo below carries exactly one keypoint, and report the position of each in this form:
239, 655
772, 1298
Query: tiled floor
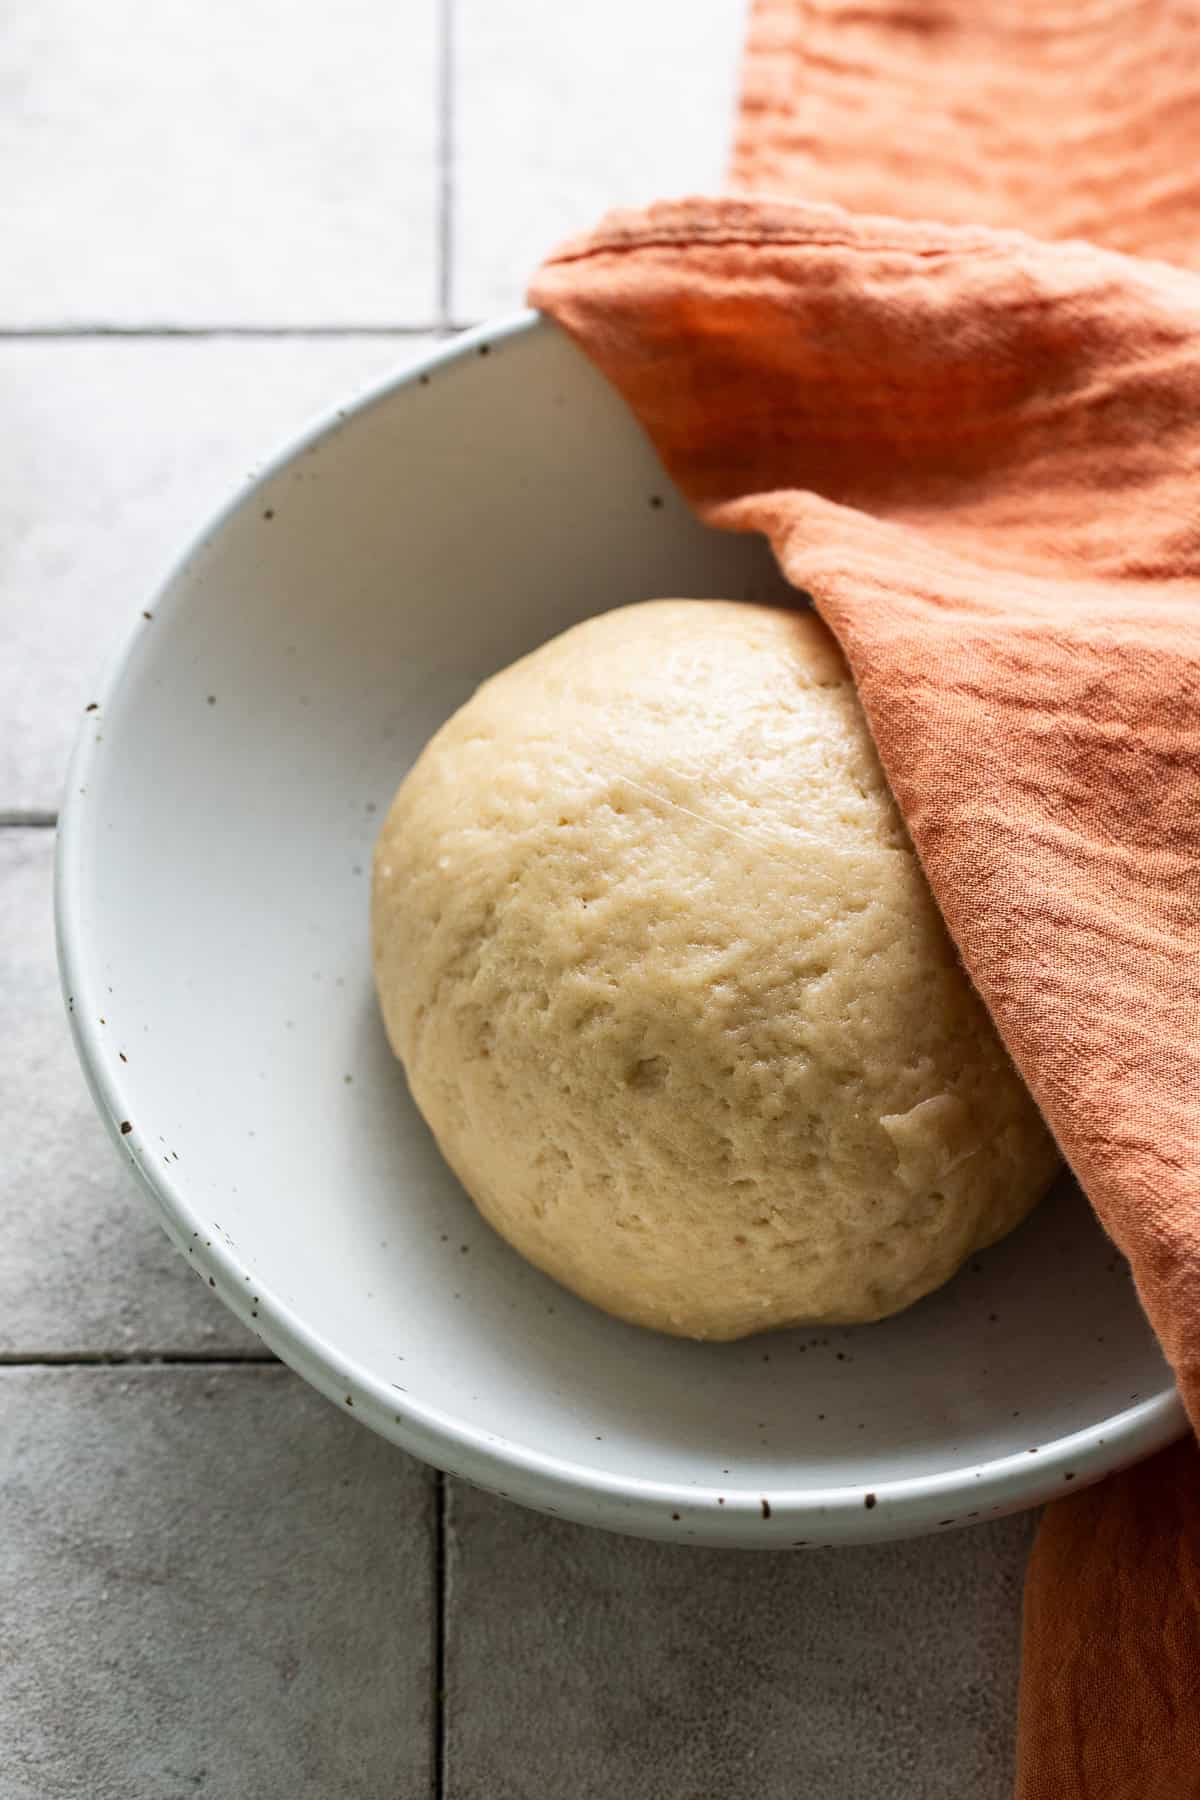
218, 220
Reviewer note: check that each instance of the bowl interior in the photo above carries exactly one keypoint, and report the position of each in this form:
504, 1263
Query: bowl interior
214, 917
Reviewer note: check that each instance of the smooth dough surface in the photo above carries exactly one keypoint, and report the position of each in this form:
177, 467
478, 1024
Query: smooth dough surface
672, 992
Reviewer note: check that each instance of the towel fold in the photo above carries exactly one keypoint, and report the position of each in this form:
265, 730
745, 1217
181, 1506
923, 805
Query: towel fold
980, 455
979, 452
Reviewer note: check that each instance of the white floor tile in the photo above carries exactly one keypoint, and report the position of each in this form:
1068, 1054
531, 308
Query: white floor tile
564, 111
121, 449
214, 1585
662, 1670
245, 161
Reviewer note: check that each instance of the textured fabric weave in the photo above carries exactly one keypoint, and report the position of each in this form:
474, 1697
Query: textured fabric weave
979, 452
1071, 118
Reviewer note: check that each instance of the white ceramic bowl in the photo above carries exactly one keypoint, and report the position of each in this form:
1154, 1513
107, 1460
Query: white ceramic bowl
212, 903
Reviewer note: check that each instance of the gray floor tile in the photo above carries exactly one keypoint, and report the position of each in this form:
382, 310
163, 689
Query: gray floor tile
581, 1666
272, 162
214, 1585
125, 449
86, 1266
564, 111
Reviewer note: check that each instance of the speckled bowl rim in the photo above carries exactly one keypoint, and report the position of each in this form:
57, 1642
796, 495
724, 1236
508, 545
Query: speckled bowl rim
736, 1517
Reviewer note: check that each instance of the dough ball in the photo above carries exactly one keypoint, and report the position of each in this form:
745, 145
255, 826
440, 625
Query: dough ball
672, 991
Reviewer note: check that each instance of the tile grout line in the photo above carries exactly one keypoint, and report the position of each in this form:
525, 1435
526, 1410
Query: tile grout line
445, 164
22, 334
444, 323
136, 1359
439, 1635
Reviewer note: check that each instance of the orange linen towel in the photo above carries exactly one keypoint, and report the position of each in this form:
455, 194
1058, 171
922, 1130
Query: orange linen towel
980, 453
